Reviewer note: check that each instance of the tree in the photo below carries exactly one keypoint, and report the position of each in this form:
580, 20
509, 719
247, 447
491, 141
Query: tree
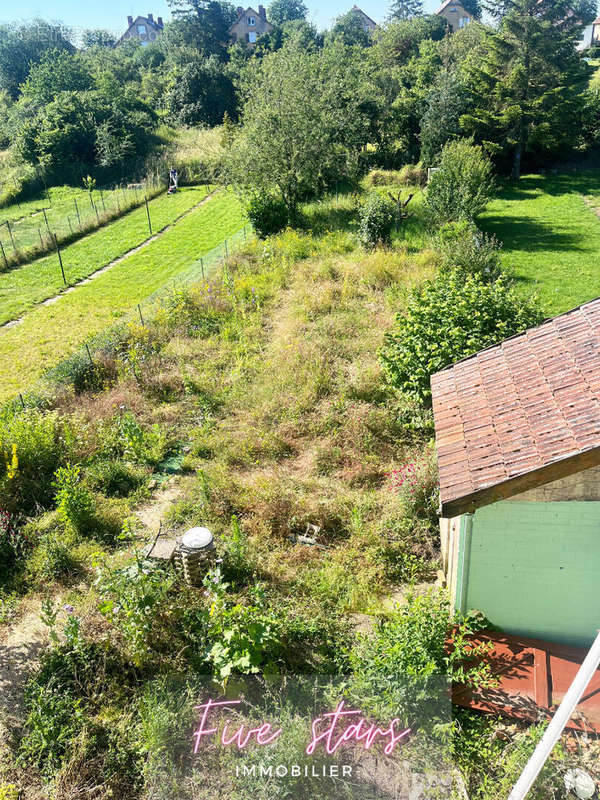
405, 9
58, 71
301, 124
22, 46
445, 105
208, 21
473, 7
202, 93
97, 37
462, 186
281, 11
528, 85
350, 30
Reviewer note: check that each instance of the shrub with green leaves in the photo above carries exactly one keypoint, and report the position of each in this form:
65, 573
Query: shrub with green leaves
74, 502
33, 444
125, 437
377, 217
408, 652
268, 214
132, 598
461, 246
447, 319
115, 478
462, 186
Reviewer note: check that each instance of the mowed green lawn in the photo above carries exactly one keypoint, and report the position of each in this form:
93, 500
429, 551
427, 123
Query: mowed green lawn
25, 286
551, 238
49, 333
65, 208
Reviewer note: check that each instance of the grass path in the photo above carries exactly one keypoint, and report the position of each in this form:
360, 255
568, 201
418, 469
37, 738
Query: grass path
551, 238
23, 287
51, 332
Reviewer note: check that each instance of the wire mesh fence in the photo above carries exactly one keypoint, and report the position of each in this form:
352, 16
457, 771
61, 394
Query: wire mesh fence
109, 341
36, 226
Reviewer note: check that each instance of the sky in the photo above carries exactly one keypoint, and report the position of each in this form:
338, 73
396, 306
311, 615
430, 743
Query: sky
112, 14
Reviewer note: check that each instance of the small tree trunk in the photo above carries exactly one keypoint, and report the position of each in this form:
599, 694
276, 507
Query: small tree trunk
516, 167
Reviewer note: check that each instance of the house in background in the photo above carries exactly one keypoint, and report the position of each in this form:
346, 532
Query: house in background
590, 36
368, 25
250, 25
142, 29
455, 15
518, 441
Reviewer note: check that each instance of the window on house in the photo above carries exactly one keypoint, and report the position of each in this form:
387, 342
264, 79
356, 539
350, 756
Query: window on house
453, 9
251, 21
141, 28
463, 21
252, 37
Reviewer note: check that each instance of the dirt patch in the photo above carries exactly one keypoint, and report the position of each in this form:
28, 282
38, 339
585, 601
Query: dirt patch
152, 514
20, 646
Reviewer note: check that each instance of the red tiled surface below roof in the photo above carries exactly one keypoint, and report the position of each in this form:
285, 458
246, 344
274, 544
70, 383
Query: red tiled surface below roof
519, 406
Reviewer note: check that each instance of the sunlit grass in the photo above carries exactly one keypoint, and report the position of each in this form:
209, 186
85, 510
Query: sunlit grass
23, 287
49, 333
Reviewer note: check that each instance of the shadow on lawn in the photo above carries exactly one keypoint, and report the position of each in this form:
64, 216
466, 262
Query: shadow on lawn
521, 233
585, 182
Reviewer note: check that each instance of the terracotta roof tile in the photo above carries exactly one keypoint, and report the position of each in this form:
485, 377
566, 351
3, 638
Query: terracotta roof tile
522, 405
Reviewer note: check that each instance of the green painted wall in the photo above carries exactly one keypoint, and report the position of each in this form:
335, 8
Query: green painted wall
534, 568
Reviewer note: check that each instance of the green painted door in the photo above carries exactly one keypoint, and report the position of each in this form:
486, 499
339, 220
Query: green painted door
534, 568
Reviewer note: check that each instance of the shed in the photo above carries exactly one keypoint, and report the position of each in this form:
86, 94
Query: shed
518, 441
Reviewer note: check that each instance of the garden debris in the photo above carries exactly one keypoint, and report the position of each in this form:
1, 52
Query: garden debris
305, 538
580, 783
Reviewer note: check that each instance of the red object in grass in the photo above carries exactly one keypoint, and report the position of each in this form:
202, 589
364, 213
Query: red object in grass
534, 676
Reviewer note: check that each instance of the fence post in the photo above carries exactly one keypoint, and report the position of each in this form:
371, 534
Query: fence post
102, 198
4, 255
202, 266
148, 213
12, 238
70, 226
41, 238
141, 317
226, 250
60, 260
89, 354
22, 401
77, 210
46, 220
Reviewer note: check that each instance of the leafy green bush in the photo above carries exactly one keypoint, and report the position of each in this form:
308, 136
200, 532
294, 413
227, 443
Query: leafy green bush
462, 186
85, 374
131, 598
377, 217
413, 175
53, 559
447, 319
408, 652
417, 483
115, 478
33, 445
243, 638
197, 310
125, 437
75, 676
463, 247
74, 502
267, 214
14, 544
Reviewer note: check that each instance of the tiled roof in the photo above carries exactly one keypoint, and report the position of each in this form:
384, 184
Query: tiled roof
520, 413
